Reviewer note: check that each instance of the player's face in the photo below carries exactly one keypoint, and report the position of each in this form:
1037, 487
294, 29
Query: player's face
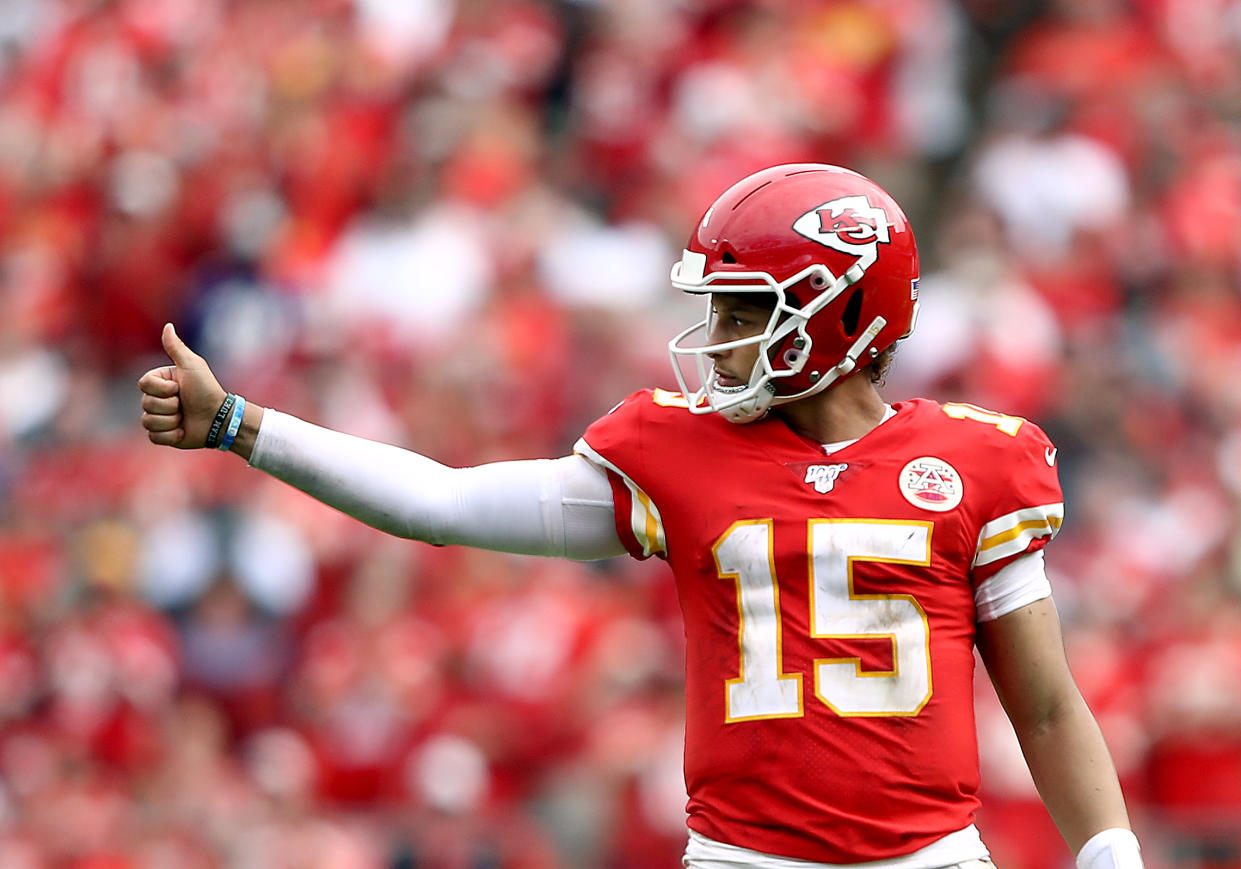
735, 316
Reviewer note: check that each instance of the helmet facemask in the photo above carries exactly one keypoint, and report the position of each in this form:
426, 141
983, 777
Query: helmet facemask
785, 345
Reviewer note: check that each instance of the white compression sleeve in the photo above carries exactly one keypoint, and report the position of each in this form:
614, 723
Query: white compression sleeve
538, 507
1020, 582
1114, 848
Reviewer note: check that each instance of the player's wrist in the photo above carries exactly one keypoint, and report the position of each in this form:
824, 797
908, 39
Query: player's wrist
1113, 848
247, 432
225, 423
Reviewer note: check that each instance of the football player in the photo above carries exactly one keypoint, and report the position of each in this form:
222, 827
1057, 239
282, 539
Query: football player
837, 558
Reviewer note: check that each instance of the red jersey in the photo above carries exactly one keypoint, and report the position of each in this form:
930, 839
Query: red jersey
829, 609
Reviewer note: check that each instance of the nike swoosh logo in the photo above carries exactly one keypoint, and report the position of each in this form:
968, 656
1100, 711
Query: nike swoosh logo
1050, 454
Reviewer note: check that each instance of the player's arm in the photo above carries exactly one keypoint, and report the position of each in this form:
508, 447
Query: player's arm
1063, 746
541, 507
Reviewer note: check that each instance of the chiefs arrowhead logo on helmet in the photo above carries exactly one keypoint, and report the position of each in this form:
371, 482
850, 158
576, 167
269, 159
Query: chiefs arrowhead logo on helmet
849, 224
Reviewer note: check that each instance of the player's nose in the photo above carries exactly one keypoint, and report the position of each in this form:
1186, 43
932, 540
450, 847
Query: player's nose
716, 335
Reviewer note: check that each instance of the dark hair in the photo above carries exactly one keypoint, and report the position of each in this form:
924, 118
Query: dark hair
877, 370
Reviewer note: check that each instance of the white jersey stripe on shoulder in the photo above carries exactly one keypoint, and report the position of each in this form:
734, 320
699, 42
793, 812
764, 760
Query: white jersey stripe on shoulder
1012, 533
644, 518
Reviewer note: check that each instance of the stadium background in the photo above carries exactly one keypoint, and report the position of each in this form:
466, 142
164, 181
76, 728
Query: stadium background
448, 225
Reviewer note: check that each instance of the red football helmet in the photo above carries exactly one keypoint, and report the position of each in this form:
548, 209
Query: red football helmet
839, 257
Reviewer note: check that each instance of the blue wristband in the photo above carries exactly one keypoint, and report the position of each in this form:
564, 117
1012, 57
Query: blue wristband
234, 423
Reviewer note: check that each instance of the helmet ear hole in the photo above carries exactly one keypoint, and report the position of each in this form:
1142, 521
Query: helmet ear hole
728, 257
852, 313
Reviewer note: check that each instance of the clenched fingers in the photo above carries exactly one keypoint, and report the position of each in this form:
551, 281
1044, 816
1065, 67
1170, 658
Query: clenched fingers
156, 405
159, 382
166, 438
163, 428
160, 421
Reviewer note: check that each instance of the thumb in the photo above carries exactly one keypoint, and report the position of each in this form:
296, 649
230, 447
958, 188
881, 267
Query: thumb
178, 351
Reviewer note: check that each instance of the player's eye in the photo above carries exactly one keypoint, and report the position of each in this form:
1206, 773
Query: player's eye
739, 321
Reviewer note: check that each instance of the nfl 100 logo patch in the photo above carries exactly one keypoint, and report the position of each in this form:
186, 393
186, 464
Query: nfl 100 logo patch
931, 484
823, 477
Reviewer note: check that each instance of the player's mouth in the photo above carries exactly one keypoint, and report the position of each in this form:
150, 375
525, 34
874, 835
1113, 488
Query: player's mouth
726, 382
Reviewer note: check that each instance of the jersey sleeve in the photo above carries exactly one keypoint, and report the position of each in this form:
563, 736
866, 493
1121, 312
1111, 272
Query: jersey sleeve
1028, 506
614, 442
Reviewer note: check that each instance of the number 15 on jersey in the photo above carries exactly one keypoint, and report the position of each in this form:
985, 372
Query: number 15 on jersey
762, 689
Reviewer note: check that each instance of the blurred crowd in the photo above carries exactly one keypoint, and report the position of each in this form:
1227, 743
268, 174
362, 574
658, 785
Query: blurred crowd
447, 224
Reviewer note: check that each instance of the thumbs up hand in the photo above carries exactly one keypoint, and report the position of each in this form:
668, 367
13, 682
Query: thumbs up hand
180, 400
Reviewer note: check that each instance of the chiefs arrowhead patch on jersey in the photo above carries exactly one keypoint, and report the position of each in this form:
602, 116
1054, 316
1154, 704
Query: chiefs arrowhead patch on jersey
931, 484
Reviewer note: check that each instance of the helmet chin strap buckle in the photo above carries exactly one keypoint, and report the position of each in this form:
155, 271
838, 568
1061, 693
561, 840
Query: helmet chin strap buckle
859, 346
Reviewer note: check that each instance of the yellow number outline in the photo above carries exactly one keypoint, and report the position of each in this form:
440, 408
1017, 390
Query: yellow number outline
1010, 425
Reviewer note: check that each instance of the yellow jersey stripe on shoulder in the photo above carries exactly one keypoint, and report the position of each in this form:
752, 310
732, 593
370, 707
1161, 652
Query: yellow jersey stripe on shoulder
1018, 530
644, 517
1012, 533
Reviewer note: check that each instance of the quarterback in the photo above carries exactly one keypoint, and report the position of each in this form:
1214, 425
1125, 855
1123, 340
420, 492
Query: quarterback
837, 558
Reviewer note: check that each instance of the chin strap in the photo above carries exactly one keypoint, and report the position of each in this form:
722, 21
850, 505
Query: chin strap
753, 408
868, 336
